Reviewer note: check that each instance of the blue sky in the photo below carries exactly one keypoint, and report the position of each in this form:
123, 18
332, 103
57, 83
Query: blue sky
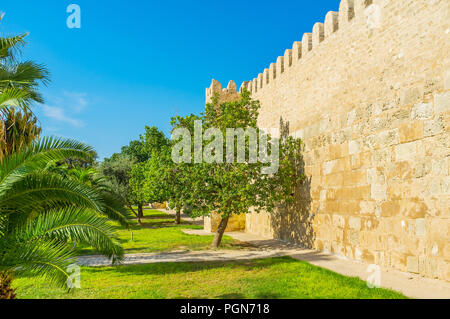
136, 63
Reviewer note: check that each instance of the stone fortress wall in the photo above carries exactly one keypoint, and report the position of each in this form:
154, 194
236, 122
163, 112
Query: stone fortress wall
368, 91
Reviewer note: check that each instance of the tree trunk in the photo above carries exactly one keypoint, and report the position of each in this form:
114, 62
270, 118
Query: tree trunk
140, 213
6, 292
137, 215
178, 217
219, 233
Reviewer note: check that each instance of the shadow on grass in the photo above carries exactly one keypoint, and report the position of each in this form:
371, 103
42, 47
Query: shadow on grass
156, 223
155, 217
189, 267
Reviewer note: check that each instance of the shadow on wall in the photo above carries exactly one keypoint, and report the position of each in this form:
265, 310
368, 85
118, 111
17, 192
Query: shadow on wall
294, 222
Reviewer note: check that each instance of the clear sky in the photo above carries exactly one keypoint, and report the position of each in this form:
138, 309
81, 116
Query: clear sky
136, 63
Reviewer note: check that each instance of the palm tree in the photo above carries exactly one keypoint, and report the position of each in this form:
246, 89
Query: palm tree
42, 212
17, 130
19, 81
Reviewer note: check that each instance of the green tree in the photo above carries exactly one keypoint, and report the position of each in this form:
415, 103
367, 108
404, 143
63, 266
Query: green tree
165, 181
151, 143
237, 188
155, 189
115, 173
41, 213
137, 180
178, 178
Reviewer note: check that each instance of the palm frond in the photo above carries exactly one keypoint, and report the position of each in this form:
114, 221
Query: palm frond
75, 224
36, 189
115, 210
44, 257
10, 44
38, 155
11, 97
26, 76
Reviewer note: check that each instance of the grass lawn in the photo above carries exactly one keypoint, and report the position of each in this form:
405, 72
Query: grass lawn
159, 233
264, 278
148, 212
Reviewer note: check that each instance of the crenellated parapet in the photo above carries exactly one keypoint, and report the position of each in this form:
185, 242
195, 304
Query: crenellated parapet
334, 21
227, 94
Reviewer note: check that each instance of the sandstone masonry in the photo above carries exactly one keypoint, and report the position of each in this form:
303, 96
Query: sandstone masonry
368, 91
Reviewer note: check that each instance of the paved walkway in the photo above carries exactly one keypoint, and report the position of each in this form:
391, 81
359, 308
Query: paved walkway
181, 256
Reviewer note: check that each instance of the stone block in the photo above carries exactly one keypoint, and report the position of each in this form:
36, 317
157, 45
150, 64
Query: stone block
367, 207
354, 237
388, 138
390, 208
355, 178
434, 126
411, 95
354, 223
409, 132
378, 192
422, 111
412, 264
382, 157
375, 176
354, 147
442, 102
421, 227
447, 80
339, 221
399, 170
406, 151
328, 167
422, 168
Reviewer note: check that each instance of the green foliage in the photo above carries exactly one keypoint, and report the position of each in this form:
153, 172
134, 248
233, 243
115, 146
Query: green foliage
155, 186
19, 81
178, 178
149, 152
233, 187
17, 130
116, 173
236, 188
41, 212
44, 206
152, 141
137, 180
